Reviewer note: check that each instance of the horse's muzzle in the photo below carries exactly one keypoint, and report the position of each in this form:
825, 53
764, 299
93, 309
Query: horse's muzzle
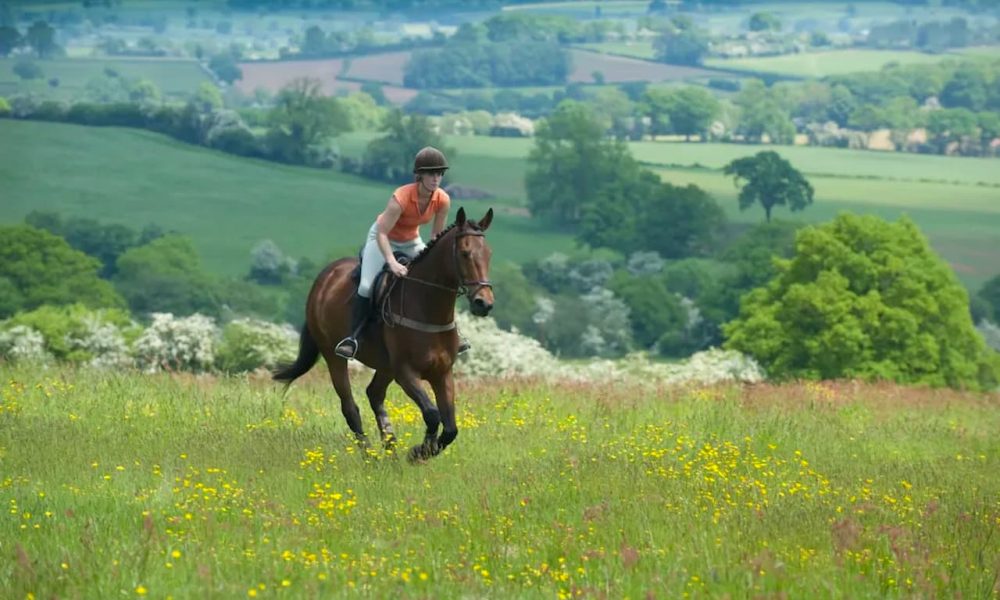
480, 307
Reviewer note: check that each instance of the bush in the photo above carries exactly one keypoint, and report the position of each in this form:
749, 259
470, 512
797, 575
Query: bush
23, 343
175, 344
78, 334
5, 109
249, 344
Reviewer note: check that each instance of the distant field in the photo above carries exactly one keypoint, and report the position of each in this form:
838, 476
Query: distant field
619, 69
226, 204
175, 77
822, 64
643, 49
273, 76
386, 68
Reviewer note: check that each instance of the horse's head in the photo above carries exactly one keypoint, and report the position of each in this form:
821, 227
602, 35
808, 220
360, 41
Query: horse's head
472, 259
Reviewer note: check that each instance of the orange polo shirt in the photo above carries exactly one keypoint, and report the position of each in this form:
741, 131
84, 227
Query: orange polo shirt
407, 226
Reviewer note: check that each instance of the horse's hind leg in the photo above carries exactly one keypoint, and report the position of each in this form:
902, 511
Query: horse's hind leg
376, 397
342, 383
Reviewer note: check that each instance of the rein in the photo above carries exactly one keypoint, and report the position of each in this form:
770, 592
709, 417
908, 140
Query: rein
466, 287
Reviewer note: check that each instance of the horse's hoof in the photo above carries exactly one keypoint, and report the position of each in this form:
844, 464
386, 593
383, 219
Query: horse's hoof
416, 455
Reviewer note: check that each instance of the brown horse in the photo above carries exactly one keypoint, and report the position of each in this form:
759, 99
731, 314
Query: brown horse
415, 336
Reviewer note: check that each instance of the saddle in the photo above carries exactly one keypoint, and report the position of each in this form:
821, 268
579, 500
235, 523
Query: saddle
379, 285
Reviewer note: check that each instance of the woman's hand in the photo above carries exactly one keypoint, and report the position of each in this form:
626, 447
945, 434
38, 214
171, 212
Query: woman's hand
398, 269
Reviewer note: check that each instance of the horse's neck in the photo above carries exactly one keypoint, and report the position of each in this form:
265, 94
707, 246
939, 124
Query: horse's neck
438, 304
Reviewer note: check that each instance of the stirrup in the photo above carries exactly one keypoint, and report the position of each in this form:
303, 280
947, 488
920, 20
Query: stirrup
346, 348
463, 345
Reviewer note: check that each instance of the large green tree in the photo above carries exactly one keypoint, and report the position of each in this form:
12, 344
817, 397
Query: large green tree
303, 118
42, 39
39, 268
864, 298
572, 163
771, 181
390, 157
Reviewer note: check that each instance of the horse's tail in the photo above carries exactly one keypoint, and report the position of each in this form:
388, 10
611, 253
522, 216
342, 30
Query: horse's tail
308, 354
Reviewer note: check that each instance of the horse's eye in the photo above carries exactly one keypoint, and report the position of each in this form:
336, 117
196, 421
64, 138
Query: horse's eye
466, 253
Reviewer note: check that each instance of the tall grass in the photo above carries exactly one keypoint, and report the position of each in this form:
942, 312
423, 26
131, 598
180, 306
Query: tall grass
123, 485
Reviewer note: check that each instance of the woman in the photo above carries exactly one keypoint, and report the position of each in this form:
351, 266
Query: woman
397, 229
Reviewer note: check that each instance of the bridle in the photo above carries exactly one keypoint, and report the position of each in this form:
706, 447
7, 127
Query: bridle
466, 287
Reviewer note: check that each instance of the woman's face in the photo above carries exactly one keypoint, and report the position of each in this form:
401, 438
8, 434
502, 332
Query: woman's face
431, 179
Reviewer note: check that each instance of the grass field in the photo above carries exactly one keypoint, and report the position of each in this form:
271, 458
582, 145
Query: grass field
174, 77
638, 49
953, 200
822, 64
128, 485
225, 203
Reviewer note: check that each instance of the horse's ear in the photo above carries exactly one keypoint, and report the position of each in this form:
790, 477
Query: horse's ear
460, 217
484, 223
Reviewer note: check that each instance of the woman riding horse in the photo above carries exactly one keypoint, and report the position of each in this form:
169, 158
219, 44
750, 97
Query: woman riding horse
396, 230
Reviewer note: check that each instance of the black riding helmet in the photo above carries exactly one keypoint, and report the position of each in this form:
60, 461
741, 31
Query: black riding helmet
429, 159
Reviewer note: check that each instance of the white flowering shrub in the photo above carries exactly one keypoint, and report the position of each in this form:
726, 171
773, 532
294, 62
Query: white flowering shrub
21, 343
990, 332
608, 331
177, 343
102, 341
79, 334
249, 344
499, 353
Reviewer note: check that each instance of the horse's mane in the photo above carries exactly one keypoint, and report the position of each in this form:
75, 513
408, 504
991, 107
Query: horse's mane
435, 239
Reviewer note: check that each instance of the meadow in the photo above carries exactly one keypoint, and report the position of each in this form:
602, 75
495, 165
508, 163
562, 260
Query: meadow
131, 485
174, 77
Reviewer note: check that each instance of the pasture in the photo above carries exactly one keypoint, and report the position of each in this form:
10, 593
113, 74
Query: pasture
174, 77
825, 63
272, 76
126, 485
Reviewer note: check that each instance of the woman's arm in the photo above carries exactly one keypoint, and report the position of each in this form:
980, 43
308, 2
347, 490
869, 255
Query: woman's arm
440, 219
386, 221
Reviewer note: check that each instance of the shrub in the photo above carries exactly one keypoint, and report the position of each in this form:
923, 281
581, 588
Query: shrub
172, 343
78, 334
249, 344
23, 343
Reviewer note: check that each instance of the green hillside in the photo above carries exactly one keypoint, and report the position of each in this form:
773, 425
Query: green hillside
225, 203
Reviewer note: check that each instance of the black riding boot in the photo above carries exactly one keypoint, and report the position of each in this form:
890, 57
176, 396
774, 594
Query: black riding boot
348, 346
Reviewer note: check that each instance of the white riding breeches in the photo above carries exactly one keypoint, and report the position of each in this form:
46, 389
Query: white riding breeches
372, 260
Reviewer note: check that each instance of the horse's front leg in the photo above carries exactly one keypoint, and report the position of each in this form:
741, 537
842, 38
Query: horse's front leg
444, 394
410, 382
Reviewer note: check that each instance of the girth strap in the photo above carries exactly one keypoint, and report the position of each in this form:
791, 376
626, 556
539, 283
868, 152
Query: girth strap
419, 326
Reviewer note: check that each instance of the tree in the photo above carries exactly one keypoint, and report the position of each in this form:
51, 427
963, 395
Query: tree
42, 39
572, 162
225, 67
104, 242
390, 157
166, 275
762, 113
10, 39
691, 110
771, 181
764, 21
864, 298
303, 118
43, 269
681, 46
990, 292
